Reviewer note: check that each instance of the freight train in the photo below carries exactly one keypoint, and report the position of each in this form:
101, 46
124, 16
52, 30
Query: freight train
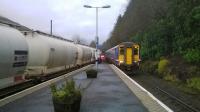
37, 54
126, 55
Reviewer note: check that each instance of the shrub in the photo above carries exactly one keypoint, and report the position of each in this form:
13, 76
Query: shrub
162, 66
149, 67
66, 98
194, 83
171, 77
193, 71
192, 56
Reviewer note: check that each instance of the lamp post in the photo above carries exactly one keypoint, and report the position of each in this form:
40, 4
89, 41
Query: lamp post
97, 38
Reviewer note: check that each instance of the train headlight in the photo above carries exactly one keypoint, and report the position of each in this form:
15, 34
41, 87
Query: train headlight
121, 61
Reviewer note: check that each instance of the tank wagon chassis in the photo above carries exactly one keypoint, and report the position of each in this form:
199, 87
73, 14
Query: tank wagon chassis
44, 77
5, 92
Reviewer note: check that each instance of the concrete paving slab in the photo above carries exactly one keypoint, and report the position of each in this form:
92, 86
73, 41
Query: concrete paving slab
40, 101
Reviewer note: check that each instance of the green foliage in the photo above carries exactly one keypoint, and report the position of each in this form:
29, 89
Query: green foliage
171, 77
172, 29
193, 56
149, 67
53, 88
137, 18
195, 16
69, 86
163, 66
194, 83
193, 71
67, 93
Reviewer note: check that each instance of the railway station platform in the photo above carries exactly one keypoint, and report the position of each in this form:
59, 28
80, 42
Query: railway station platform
107, 93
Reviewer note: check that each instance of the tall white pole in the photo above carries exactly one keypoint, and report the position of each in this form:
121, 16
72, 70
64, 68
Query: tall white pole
97, 38
51, 27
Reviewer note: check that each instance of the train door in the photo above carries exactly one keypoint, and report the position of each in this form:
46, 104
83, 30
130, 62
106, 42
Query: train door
136, 56
129, 56
116, 55
121, 54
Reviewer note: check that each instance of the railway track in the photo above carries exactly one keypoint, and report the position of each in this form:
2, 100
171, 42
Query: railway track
8, 91
185, 106
19, 93
175, 103
5, 92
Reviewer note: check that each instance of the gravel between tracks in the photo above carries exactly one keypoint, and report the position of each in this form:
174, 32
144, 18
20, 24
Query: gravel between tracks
150, 83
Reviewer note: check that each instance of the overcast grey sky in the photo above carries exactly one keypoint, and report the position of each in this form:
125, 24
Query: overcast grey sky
69, 16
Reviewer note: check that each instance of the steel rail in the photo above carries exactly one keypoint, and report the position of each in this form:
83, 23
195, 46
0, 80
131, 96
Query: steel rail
4, 92
178, 100
8, 91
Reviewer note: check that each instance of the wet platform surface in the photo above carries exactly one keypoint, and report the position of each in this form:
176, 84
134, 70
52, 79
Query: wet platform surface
106, 93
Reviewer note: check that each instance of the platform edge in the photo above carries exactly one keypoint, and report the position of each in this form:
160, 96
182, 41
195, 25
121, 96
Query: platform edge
39, 86
138, 85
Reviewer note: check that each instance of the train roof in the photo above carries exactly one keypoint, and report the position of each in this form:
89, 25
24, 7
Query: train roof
127, 43
123, 43
54, 36
6, 21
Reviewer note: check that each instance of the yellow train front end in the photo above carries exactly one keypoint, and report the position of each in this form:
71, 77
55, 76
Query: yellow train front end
129, 56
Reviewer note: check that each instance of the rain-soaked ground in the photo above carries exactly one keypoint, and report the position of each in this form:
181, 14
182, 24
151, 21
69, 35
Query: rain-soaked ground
106, 93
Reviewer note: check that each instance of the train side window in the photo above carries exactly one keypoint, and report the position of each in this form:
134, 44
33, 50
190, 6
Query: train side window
135, 51
121, 50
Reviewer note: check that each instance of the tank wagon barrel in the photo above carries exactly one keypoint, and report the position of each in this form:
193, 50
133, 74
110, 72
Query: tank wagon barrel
13, 52
37, 54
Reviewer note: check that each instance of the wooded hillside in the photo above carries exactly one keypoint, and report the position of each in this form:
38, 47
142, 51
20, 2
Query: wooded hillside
161, 27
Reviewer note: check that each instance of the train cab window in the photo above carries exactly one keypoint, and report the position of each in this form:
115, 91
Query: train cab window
135, 51
121, 50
